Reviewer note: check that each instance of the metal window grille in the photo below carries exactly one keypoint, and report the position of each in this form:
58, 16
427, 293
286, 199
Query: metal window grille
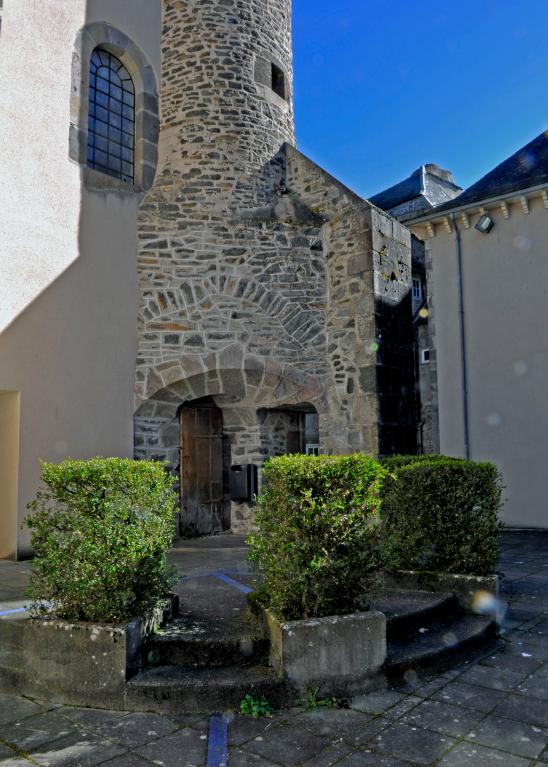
111, 117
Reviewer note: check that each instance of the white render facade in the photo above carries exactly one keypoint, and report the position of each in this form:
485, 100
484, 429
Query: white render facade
505, 297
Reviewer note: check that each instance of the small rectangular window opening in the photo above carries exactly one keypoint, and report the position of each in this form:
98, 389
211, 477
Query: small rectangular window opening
278, 81
312, 449
425, 356
417, 289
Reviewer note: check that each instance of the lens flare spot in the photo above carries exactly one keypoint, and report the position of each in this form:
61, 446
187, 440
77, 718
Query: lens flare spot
520, 242
494, 420
486, 603
450, 639
411, 677
374, 347
520, 367
423, 313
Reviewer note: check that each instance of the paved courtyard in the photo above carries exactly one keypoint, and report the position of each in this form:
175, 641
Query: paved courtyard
493, 712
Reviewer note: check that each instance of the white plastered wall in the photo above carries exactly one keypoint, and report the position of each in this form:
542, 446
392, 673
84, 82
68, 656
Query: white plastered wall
68, 280
506, 310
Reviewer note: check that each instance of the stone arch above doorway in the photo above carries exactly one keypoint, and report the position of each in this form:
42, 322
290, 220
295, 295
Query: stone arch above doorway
247, 381
241, 386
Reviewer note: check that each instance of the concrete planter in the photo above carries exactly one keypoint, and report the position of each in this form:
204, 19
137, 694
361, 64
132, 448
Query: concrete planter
338, 654
73, 663
469, 589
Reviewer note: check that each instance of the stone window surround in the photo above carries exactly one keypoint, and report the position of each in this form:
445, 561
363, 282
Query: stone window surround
147, 124
263, 79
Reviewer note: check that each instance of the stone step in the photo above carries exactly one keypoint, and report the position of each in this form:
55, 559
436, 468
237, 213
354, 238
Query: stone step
440, 646
193, 643
408, 611
174, 690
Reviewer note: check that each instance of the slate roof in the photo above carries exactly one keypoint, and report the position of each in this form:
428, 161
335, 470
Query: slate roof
403, 191
426, 188
526, 168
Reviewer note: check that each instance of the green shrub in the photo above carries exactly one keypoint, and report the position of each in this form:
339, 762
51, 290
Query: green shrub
393, 462
100, 531
255, 707
441, 515
317, 533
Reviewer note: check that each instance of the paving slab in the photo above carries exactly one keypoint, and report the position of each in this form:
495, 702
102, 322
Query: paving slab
377, 702
290, 744
89, 717
244, 728
240, 758
14, 709
353, 731
518, 738
370, 759
127, 760
81, 749
443, 717
524, 709
335, 722
6, 752
35, 731
493, 678
466, 755
412, 744
470, 696
517, 663
406, 705
331, 755
135, 729
184, 748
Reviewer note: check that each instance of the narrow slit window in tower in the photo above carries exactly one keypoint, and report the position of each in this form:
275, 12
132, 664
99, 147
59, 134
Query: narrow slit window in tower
278, 81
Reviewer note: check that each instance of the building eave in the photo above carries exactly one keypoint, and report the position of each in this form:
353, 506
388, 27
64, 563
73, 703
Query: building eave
517, 195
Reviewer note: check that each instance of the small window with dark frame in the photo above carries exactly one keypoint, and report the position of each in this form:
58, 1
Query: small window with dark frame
111, 117
278, 81
417, 289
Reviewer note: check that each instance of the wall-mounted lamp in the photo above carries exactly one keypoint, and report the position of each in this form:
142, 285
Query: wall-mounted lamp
485, 224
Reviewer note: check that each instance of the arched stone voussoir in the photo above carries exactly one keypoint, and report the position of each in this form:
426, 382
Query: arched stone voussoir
234, 375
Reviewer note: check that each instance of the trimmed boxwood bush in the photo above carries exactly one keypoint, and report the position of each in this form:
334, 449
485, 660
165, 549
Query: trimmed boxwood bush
441, 515
100, 531
393, 462
317, 533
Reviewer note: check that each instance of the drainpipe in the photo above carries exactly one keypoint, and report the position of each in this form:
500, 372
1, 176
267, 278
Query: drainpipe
465, 414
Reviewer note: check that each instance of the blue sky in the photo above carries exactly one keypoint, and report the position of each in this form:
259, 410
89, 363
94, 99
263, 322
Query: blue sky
383, 86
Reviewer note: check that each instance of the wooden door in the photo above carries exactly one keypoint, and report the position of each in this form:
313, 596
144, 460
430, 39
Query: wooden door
202, 496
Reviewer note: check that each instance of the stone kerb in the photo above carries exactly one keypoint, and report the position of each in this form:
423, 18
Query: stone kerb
338, 655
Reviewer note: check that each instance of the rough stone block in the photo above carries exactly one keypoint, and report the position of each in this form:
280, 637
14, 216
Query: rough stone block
337, 654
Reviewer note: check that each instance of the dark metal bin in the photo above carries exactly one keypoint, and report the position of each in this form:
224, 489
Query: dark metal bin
243, 482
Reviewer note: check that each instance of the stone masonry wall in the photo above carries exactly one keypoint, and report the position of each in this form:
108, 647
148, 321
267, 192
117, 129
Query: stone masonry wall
370, 373
259, 273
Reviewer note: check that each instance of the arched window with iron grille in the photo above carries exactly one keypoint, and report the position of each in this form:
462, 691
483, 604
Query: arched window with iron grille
111, 117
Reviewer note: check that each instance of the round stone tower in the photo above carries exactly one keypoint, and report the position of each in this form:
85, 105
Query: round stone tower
226, 96
225, 316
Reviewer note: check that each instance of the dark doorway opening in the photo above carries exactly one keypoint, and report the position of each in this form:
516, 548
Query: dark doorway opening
289, 429
205, 461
